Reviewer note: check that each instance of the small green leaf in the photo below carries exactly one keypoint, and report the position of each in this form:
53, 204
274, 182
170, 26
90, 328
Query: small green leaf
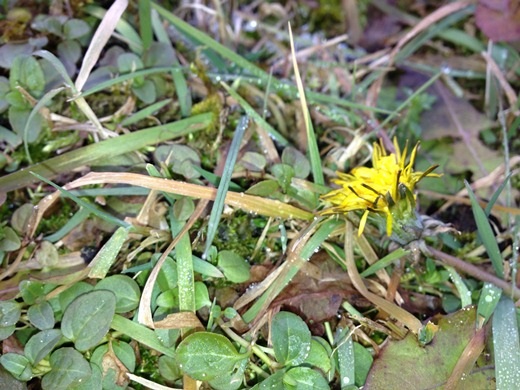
318, 357
304, 378
41, 344
231, 380
18, 365
9, 240
274, 382
264, 188
362, 362
168, 369
291, 338
33, 291
201, 296
41, 315
87, 319
205, 356
168, 278
125, 289
27, 72
234, 267
183, 208
296, 159
168, 337
254, 162
75, 28
284, 174
9, 313
69, 368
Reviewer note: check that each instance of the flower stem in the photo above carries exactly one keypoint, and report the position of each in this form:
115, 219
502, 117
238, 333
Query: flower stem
476, 272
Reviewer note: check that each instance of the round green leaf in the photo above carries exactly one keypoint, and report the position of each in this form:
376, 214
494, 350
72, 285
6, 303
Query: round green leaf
9, 313
69, 368
87, 319
204, 355
234, 267
41, 315
75, 28
291, 339
319, 357
304, 378
274, 382
168, 277
18, 365
7, 331
67, 296
168, 368
201, 296
296, 159
33, 291
9, 240
93, 382
41, 344
125, 289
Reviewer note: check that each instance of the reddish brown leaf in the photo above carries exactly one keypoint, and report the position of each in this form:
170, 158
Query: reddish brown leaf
499, 19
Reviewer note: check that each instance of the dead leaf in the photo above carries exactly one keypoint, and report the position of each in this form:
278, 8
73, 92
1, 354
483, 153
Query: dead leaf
499, 19
404, 364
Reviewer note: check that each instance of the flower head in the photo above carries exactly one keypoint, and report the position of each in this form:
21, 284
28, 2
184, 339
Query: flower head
386, 189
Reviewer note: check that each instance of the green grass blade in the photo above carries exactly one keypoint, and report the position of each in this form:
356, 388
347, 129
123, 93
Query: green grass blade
141, 334
145, 112
93, 209
124, 77
58, 66
186, 279
506, 345
78, 217
488, 301
256, 117
107, 255
345, 351
464, 292
181, 86
486, 233
495, 195
218, 206
145, 23
111, 147
385, 261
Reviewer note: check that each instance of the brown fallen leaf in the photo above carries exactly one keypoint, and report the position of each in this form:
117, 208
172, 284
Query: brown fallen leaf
499, 19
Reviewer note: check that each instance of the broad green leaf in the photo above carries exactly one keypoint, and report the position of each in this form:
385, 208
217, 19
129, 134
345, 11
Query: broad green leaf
318, 357
66, 297
231, 380
168, 369
93, 382
291, 339
9, 313
87, 319
234, 267
274, 382
41, 315
75, 28
125, 289
6, 331
205, 268
168, 337
69, 368
27, 72
204, 355
506, 345
41, 344
18, 365
304, 378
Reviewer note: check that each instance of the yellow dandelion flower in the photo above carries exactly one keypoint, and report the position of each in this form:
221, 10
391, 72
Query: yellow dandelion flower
381, 190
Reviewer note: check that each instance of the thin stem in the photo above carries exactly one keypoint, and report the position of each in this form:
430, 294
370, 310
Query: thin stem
476, 272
